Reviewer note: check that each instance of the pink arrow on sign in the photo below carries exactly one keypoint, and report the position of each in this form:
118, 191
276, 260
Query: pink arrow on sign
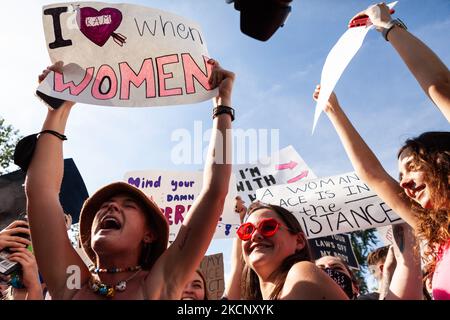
302, 175
291, 165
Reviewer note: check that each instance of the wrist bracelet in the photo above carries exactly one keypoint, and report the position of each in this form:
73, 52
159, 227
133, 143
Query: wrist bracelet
394, 23
23, 153
56, 134
223, 109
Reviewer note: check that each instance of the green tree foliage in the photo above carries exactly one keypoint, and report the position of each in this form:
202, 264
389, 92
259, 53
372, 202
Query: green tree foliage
363, 242
8, 140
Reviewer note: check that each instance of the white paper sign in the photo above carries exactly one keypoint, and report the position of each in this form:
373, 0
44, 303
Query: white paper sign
336, 62
125, 55
175, 191
284, 166
331, 205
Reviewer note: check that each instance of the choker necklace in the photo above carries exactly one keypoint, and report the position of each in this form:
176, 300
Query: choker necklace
109, 291
114, 270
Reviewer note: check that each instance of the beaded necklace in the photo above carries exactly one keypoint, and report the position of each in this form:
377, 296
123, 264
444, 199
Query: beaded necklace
106, 290
114, 270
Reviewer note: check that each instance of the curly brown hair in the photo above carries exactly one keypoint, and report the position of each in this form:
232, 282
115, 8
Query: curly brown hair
431, 155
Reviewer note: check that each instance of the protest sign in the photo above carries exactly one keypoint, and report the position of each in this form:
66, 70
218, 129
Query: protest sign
212, 268
337, 60
124, 55
175, 192
331, 205
284, 166
338, 245
386, 236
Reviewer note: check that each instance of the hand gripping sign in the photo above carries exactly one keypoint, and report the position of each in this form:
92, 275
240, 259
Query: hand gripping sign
339, 58
124, 55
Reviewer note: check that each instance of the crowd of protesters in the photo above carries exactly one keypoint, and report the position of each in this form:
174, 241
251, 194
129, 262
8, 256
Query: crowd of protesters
125, 235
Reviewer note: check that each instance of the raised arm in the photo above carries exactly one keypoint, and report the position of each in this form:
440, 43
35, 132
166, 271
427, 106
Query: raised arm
54, 252
406, 282
194, 237
366, 164
233, 285
431, 73
388, 271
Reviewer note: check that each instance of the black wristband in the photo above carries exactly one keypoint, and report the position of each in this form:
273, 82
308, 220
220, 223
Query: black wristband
56, 134
24, 151
395, 23
223, 109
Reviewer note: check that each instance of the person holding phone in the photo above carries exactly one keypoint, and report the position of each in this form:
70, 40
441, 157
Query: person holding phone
19, 267
10, 236
15, 235
26, 284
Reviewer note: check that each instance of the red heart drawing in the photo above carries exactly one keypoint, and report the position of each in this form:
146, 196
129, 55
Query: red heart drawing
98, 26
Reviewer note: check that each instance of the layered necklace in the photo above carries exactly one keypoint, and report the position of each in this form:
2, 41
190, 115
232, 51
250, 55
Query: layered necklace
106, 290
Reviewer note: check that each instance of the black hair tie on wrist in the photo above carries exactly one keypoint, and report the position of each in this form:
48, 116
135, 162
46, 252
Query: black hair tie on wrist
25, 148
56, 134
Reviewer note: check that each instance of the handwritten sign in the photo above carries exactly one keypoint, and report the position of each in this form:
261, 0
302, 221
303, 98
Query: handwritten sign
338, 245
337, 60
331, 205
176, 191
284, 166
212, 268
125, 55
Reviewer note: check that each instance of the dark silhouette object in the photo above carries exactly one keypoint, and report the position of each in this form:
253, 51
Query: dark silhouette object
260, 19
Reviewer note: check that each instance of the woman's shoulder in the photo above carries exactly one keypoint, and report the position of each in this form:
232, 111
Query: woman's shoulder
303, 267
306, 281
305, 270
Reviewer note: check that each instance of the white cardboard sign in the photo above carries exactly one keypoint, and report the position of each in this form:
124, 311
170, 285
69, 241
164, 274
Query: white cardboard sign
125, 55
331, 205
175, 191
337, 61
284, 166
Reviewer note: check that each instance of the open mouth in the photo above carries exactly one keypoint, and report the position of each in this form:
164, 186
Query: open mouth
419, 191
110, 223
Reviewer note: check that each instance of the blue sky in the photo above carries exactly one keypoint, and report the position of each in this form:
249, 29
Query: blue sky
275, 81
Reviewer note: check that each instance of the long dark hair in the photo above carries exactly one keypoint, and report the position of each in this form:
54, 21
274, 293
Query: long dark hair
250, 288
431, 154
